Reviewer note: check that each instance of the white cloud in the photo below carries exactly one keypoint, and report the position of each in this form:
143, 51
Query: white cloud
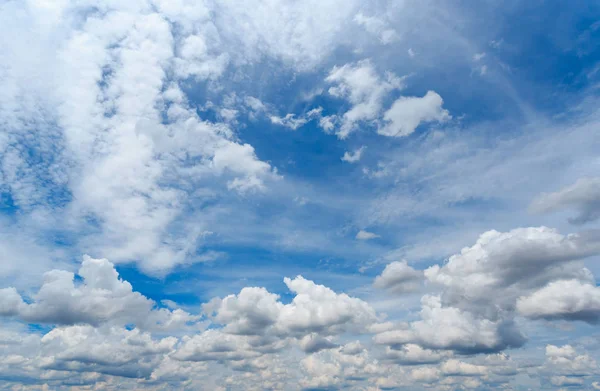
101, 298
293, 122
507, 262
484, 283
450, 328
328, 123
366, 235
314, 308
353, 157
114, 351
249, 312
407, 113
563, 299
362, 86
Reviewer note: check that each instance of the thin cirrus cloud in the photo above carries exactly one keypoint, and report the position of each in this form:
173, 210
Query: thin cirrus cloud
226, 253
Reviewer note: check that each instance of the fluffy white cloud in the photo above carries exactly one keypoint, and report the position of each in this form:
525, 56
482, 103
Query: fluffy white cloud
407, 113
583, 196
563, 299
314, 308
102, 297
399, 277
460, 368
366, 91
113, 351
484, 285
452, 329
250, 312
111, 92
501, 267
362, 86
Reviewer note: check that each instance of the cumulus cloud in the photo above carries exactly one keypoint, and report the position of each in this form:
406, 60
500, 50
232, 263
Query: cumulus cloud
101, 298
450, 328
485, 284
399, 277
501, 267
314, 308
362, 86
583, 196
113, 351
366, 91
563, 299
565, 361
407, 113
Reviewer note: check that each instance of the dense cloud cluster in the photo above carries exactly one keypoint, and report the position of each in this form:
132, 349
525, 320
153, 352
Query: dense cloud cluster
103, 330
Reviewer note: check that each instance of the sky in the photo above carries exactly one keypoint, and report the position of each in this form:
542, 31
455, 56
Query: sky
299, 195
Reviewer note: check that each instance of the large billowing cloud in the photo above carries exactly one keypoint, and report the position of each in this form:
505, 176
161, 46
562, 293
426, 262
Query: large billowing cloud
535, 272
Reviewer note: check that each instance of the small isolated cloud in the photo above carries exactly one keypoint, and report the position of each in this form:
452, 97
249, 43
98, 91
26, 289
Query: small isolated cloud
407, 113
478, 56
353, 157
366, 235
293, 122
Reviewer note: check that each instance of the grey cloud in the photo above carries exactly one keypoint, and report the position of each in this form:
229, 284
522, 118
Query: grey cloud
583, 196
399, 277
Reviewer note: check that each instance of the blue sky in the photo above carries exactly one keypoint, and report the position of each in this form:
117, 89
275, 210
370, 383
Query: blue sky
317, 195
